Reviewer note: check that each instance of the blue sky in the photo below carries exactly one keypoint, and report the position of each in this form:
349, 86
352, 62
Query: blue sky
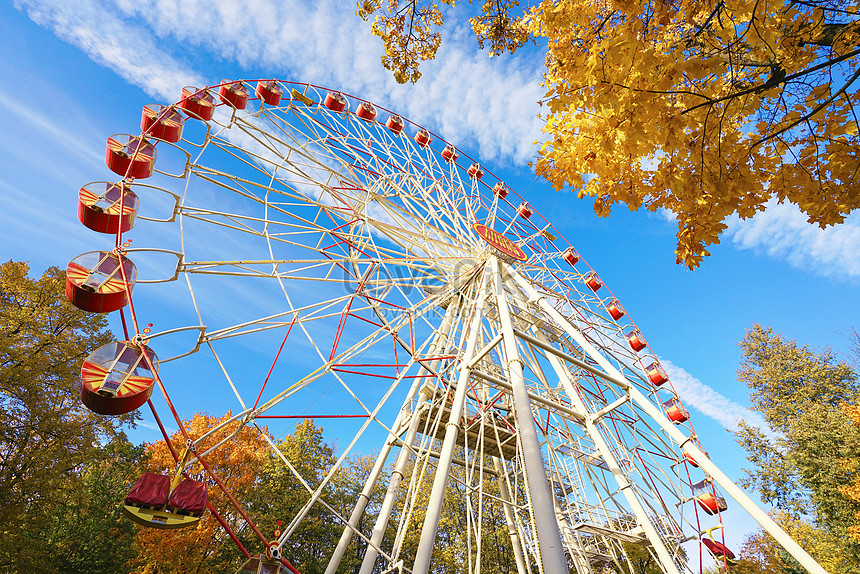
77, 72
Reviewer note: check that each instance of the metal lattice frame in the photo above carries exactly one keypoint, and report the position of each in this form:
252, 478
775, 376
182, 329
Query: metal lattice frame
514, 373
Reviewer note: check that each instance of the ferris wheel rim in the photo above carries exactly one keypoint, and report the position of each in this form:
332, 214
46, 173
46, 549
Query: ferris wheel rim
467, 235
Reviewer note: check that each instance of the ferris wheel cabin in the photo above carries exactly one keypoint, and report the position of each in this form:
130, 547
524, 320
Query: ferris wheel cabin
162, 122
117, 379
94, 281
270, 92
107, 207
151, 503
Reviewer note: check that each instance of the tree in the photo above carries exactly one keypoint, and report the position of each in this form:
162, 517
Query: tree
707, 109
206, 547
48, 440
802, 395
761, 554
318, 533
852, 491
88, 533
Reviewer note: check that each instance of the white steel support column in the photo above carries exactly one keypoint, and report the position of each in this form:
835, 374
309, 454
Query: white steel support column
439, 344
624, 485
580, 563
385, 508
360, 505
511, 524
434, 504
613, 375
551, 549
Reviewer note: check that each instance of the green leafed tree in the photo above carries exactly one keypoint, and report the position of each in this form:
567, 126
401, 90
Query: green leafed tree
51, 446
282, 496
801, 468
762, 554
88, 533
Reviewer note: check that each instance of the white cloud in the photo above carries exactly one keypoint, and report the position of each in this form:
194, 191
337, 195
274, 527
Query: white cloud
696, 394
463, 95
782, 231
128, 50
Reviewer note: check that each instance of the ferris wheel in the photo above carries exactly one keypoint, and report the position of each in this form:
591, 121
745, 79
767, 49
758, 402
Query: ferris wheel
421, 300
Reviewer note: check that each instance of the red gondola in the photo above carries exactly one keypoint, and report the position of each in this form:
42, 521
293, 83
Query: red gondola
394, 123
655, 371
475, 171
94, 281
689, 458
570, 255
593, 281
366, 111
270, 92
422, 138
615, 309
151, 503
335, 101
676, 411
162, 122
719, 550
198, 104
188, 498
130, 156
116, 378
99, 206
524, 210
450, 154
707, 497
635, 340
235, 94
500, 190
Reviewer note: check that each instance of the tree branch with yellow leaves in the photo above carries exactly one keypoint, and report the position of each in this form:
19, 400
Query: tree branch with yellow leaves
706, 109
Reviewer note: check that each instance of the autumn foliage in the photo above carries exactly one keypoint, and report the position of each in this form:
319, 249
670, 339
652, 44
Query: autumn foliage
852, 491
807, 467
706, 109
205, 546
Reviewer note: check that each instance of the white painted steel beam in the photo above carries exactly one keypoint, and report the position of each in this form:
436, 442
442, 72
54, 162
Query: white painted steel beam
434, 504
613, 375
550, 546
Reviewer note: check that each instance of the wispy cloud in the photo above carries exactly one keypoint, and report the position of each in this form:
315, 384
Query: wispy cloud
463, 95
782, 231
130, 51
698, 395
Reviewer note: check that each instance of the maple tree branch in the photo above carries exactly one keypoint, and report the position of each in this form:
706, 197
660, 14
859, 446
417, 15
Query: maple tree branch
602, 24
817, 109
707, 21
819, 6
786, 79
853, 173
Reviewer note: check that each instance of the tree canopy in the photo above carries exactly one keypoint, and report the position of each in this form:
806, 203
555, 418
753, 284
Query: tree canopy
50, 444
762, 554
707, 109
808, 466
206, 546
